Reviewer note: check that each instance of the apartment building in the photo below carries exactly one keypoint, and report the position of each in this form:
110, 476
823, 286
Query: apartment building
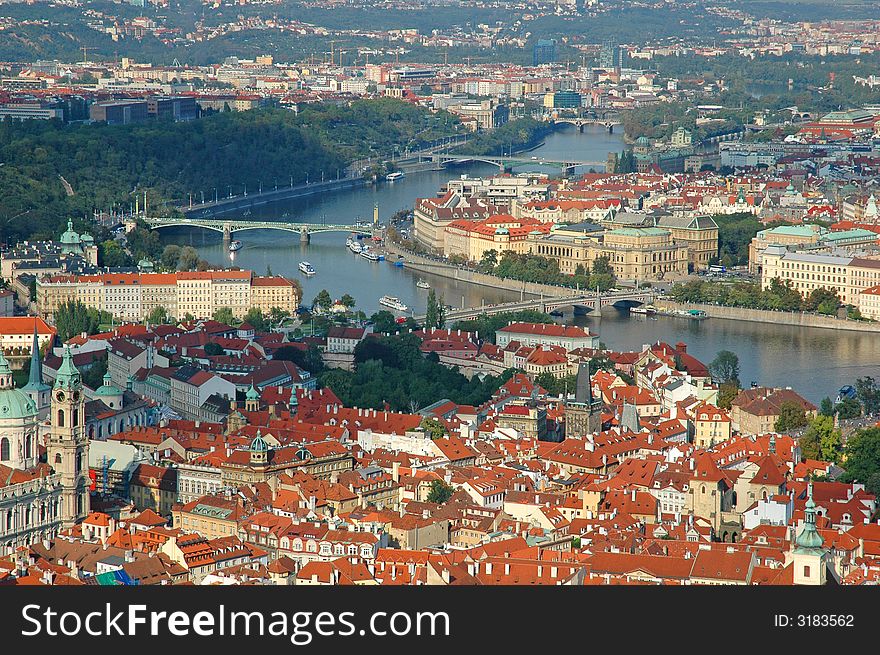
806, 271
132, 296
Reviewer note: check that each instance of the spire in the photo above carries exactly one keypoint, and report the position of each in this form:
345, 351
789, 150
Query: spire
629, 418
809, 538
35, 380
583, 387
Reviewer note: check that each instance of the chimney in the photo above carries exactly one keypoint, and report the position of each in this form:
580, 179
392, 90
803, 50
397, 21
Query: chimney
395, 471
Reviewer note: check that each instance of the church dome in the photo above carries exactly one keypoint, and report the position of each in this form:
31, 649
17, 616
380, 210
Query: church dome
70, 238
259, 445
108, 388
14, 404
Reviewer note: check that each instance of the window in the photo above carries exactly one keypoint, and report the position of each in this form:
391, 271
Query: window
806, 571
4, 449
60, 418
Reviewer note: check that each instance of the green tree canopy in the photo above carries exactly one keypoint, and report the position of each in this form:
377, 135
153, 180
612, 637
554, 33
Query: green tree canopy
725, 367
791, 417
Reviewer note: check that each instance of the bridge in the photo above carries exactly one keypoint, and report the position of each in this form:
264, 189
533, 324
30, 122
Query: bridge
581, 122
576, 304
228, 228
506, 161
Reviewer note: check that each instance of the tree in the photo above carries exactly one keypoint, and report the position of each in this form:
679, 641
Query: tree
441, 312
432, 314
170, 258
73, 318
384, 321
213, 349
440, 492
822, 440
188, 259
863, 457
323, 300
278, 315
255, 319
727, 391
306, 358
489, 261
849, 408
826, 407
158, 315
868, 394
725, 367
112, 255
347, 301
224, 315
791, 417
602, 266
433, 427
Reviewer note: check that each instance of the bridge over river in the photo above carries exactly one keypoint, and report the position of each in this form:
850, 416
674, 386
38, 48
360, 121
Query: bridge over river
577, 304
229, 227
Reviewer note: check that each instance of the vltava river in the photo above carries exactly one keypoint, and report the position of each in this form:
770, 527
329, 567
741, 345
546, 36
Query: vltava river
814, 362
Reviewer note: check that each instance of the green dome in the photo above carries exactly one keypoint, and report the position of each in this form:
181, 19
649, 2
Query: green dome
70, 237
252, 393
259, 445
108, 388
14, 404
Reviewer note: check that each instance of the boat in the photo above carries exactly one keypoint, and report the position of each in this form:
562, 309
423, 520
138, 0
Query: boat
234, 246
355, 246
421, 284
643, 309
393, 303
846, 392
366, 253
307, 268
396, 175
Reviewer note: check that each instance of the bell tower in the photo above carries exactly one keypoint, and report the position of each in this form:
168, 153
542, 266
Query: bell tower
68, 446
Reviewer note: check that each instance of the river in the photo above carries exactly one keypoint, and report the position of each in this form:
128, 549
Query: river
813, 361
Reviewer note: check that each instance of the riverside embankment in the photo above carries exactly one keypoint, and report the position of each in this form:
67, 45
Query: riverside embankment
802, 319
430, 266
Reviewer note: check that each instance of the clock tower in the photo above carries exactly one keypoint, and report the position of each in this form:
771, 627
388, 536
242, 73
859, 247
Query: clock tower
68, 446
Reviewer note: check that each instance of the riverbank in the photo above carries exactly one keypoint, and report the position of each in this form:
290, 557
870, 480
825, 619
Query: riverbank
800, 319
226, 205
431, 266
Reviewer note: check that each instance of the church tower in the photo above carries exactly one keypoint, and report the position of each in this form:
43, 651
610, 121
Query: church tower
68, 446
808, 553
36, 389
252, 400
584, 415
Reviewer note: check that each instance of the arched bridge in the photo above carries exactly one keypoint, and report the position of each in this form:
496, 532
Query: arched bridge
228, 228
578, 304
579, 123
505, 162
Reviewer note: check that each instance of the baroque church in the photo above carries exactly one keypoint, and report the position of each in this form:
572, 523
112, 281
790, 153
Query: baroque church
38, 499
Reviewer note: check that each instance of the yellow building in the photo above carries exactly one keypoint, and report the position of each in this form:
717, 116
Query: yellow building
501, 233
133, 296
698, 233
806, 272
711, 426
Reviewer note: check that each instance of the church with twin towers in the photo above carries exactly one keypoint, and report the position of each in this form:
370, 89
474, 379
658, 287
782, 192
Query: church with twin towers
44, 486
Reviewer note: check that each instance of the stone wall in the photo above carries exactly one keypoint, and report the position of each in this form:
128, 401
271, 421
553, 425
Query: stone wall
782, 318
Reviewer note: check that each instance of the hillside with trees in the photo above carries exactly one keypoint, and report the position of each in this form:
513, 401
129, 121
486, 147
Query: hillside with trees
109, 166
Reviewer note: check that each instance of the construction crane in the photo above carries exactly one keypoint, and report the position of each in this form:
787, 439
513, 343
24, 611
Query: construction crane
85, 49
